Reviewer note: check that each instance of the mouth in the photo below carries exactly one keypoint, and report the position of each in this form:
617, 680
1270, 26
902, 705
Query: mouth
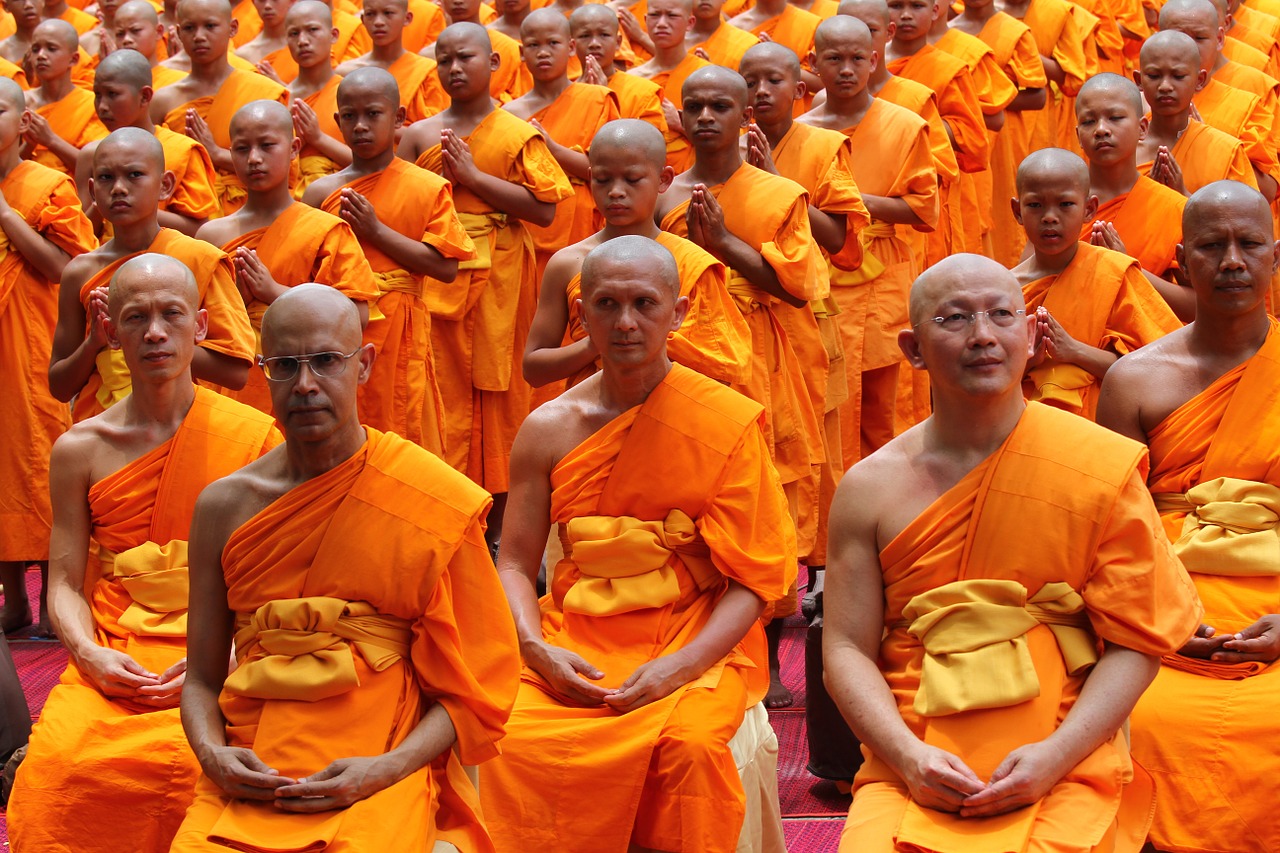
157, 357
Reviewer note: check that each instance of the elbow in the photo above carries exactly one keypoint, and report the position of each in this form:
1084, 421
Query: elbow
994, 122
1036, 99
793, 300
233, 377
543, 214
59, 387
447, 270
529, 370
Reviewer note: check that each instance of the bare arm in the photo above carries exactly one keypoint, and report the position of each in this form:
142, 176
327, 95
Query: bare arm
510, 198
828, 229
1029, 99
179, 222
707, 228
1053, 70
888, 209
1266, 184
574, 163
412, 255
1180, 298
219, 368
545, 360
1118, 407
72, 360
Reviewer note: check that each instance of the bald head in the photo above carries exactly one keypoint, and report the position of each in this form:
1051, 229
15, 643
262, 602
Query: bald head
269, 114
1171, 44
132, 140
59, 30
634, 255
309, 10
866, 10
944, 279
151, 272
594, 14
1237, 201
196, 8
1112, 85
139, 10
545, 20
1175, 13
370, 81
772, 55
11, 94
633, 136
126, 67
465, 32
1053, 164
720, 79
845, 30
318, 313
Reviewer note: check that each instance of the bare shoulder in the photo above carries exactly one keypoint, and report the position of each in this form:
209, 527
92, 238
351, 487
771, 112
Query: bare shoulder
523, 106
82, 267
1160, 361
320, 189
567, 262
220, 231
227, 503
168, 97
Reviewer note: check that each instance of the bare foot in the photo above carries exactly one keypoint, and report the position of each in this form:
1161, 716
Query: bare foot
44, 630
778, 696
15, 618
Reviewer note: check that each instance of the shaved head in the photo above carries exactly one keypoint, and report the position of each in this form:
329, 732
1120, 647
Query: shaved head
594, 13
308, 9
59, 29
190, 8
1170, 43
312, 308
636, 254
11, 94
1175, 12
126, 66
936, 284
132, 139
863, 10
138, 9
151, 271
370, 80
724, 79
545, 18
1053, 164
272, 114
1242, 202
1112, 84
845, 29
465, 32
630, 134
775, 55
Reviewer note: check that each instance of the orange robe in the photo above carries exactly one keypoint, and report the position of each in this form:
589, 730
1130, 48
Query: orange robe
78, 18
31, 419
1102, 299
679, 151
639, 98
302, 245
427, 24
163, 75
1080, 487
238, 89
1149, 221
1254, 82
1015, 51
353, 39
250, 23
661, 774
1242, 115
74, 119
312, 165
727, 45
1202, 728
229, 330
282, 61
13, 72
476, 336
195, 192
402, 395
793, 28
1058, 37
1242, 52
512, 78
91, 756
442, 633
1206, 154
420, 89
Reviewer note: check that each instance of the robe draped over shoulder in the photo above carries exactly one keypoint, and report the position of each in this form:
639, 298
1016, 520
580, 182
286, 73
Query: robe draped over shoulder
1149, 221
73, 118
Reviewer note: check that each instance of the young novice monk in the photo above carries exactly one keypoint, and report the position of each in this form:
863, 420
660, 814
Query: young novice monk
503, 175
1093, 304
404, 218
26, 17
202, 103
63, 119
1136, 215
269, 50
667, 22
420, 91
781, 22
129, 179
595, 32
722, 42
274, 241
511, 78
122, 91
313, 93
138, 27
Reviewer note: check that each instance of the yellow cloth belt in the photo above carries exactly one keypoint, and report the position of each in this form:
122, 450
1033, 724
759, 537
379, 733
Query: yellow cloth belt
825, 307
1061, 384
478, 226
746, 295
395, 281
229, 190
871, 267
116, 381
158, 582
976, 651
313, 167
308, 644
626, 563
1232, 527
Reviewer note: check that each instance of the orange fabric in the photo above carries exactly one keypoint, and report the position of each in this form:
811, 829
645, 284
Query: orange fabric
195, 191
1206, 154
639, 98
353, 39
1242, 115
427, 24
229, 330
163, 75
793, 28
91, 755
1058, 37
1094, 524
1254, 82
476, 336
302, 245
1184, 729
81, 20
727, 45
74, 119
691, 799
1149, 221
512, 79
1103, 300
420, 89
282, 61
402, 395
244, 12
31, 419
14, 73
679, 151
416, 530
311, 163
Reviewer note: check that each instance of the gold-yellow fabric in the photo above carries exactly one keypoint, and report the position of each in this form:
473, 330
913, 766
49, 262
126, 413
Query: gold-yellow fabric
157, 580
1060, 384
1232, 527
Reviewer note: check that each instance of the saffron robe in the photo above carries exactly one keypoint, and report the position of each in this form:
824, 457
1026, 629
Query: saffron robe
1206, 154
420, 91
31, 419
353, 39
639, 98
416, 530
476, 336
1103, 300
1081, 488
238, 89
312, 165
302, 245
282, 61
1200, 727
793, 28
679, 151
1242, 115
427, 24
92, 756
163, 75
195, 192
1149, 221
512, 78
250, 23
1058, 37
663, 770
74, 119
727, 45
229, 330
402, 395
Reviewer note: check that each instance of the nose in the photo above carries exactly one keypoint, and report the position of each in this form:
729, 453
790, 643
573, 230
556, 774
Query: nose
1233, 258
306, 382
155, 330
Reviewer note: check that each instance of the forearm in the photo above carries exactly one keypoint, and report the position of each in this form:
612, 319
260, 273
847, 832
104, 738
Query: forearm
332, 148
513, 199
574, 163
1109, 694
752, 266
69, 374
828, 229
1266, 184
545, 365
47, 258
993, 121
522, 598
730, 620
71, 617
1182, 300
892, 210
433, 734
219, 368
1052, 70
202, 719
414, 256
1093, 359
221, 158
178, 222
1028, 99
859, 690
64, 151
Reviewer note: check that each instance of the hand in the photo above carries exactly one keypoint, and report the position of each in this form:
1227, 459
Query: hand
939, 780
266, 69
651, 681
357, 212
39, 131
115, 673
592, 72
29, 68
1041, 350
198, 130
305, 123
671, 114
106, 40
459, 166
1024, 777
342, 783
241, 774
173, 45
1260, 642
1165, 170
1195, 113
759, 153
1058, 343
168, 693
629, 22
1104, 234
1204, 643
702, 54
764, 38
562, 669
552, 145
98, 315
711, 230
253, 278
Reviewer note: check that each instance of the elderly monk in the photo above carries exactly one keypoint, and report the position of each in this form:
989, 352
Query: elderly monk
351, 735
313, 94
641, 660
109, 741
1092, 304
990, 690
404, 218
63, 119
46, 232
129, 179
1204, 399
202, 104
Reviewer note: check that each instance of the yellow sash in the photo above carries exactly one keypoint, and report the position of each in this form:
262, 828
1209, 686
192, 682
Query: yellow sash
746, 295
974, 637
395, 281
301, 648
1232, 527
626, 563
116, 382
480, 225
230, 192
871, 267
158, 582
1060, 384
312, 167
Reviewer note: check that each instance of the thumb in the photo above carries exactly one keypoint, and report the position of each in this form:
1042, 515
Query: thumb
327, 773
131, 665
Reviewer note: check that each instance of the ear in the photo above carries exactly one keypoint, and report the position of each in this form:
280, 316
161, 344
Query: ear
1015, 204
802, 89
748, 116
367, 356
1143, 124
408, 18
402, 115
333, 34
582, 315
910, 346
665, 177
144, 96
1033, 329
235, 26
202, 325
1091, 207
1202, 79
811, 59
891, 30
1275, 257
295, 147
1137, 78
495, 61
113, 336
1180, 256
680, 311
168, 183
24, 123
875, 54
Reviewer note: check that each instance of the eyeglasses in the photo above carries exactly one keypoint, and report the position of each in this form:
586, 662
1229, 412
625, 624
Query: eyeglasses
282, 368
961, 320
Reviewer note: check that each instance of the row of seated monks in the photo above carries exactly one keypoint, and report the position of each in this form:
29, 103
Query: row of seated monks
330, 332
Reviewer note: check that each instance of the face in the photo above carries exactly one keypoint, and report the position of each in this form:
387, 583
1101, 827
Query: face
913, 17
1108, 126
49, 54
118, 104
771, 87
128, 185
13, 121
707, 10
667, 21
461, 10
1229, 257
134, 32
628, 315
157, 328
1203, 29
308, 406
368, 122
711, 115
464, 67
261, 153
310, 40
545, 50
844, 66
272, 12
204, 32
596, 35
1052, 209
625, 186
1168, 82
26, 13
385, 21
513, 7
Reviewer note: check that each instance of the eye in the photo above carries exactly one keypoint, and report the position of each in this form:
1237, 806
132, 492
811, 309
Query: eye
326, 359
1001, 315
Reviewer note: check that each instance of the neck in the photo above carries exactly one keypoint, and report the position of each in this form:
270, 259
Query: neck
473, 18
671, 56
369, 165
981, 14
552, 89
642, 227
387, 53
1110, 181
275, 33
1232, 338
137, 237
771, 8
475, 108
706, 27
516, 18
55, 9
623, 389
57, 88
1042, 265
939, 27
1169, 126
143, 121
9, 159
215, 71
1218, 64
306, 460
880, 76
163, 404
716, 167
908, 47
315, 76
776, 130
854, 107
964, 428
270, 203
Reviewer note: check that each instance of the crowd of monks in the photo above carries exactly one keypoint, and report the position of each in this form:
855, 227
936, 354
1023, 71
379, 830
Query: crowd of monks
399, 388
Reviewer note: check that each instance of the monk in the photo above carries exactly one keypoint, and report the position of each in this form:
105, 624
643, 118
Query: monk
923, 530
275, 242
48, 230
412, 664
109, 741
1135, 215
667, 22
781, 22
596, 38
511, 78
404, 217
26, 17
269, 49
1178, 151
63, 119
129, 179
419, 83
635, 701
1092, 304
511, 15
248, 24
1203, 399
352, 39
98, 41
722, 42
122, 94
202, 103
503, 175
313, 93
138, 27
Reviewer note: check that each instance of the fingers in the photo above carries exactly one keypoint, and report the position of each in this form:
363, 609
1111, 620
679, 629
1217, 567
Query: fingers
1242, 657
582, 667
